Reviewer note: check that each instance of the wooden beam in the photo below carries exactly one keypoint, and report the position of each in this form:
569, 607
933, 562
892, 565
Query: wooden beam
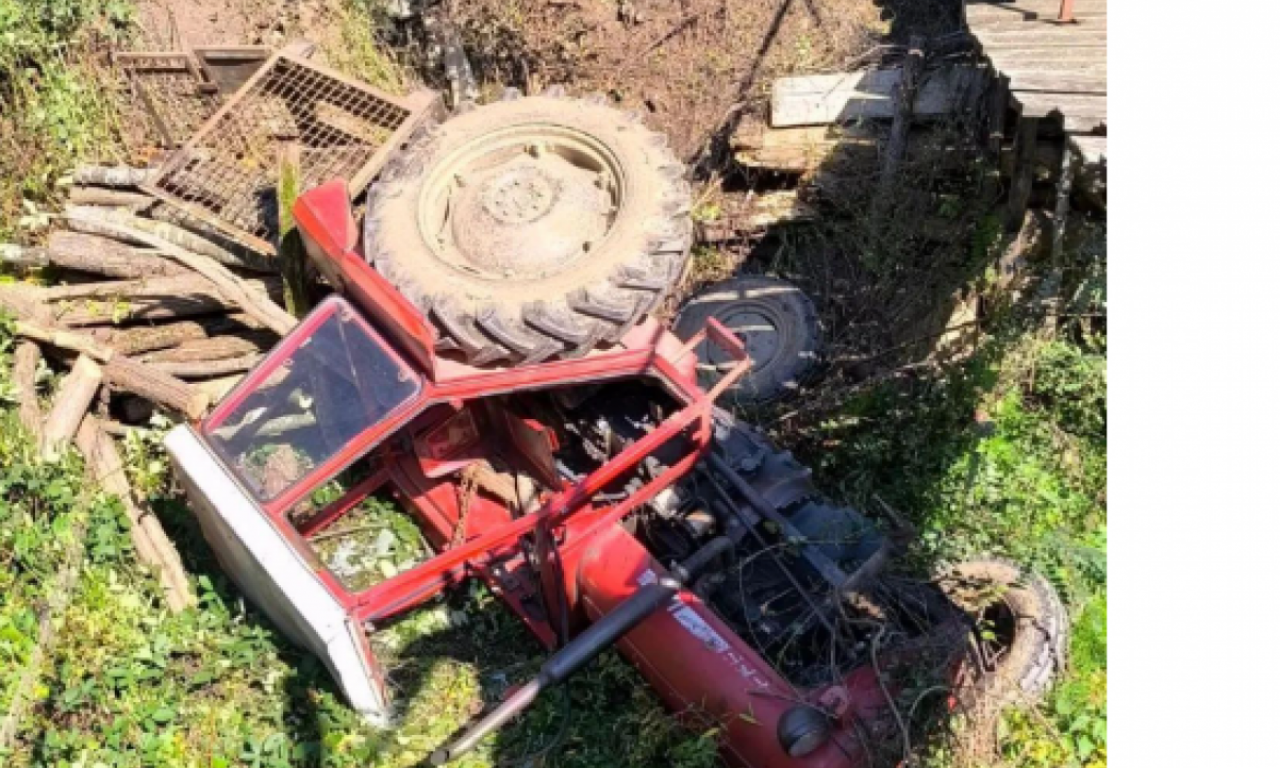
1024, 165
866, 94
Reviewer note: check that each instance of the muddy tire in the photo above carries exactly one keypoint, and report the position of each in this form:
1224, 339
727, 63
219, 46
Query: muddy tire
531, 228
1029, 622
775, 320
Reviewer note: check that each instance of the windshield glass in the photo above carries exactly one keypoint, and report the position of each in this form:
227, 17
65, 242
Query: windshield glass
326, 383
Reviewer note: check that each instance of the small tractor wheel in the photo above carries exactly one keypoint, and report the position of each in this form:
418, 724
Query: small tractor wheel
532, 227
775, 320
1023, 629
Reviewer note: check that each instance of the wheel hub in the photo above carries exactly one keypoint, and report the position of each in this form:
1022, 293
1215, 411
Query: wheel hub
524, 204
521, 195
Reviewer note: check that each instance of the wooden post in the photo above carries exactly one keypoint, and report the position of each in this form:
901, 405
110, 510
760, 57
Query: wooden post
1024, 156
26, 360
72, 403
293, 258
904, 96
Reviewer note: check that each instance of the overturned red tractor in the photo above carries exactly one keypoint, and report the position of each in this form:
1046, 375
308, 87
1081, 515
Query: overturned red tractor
487, 360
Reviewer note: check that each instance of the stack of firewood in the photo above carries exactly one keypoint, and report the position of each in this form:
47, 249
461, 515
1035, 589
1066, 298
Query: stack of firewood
145, 315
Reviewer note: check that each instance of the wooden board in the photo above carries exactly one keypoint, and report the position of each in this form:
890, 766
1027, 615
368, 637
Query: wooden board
1065, 36
867, 94
981, 10
1037, 104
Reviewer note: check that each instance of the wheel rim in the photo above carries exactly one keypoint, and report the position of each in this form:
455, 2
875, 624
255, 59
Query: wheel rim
761, 328
522, 203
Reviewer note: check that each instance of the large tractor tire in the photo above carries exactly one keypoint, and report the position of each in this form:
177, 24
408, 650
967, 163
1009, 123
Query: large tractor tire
1025, 627
531, 228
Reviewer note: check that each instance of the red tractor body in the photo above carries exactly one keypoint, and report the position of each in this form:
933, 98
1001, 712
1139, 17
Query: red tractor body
365, 364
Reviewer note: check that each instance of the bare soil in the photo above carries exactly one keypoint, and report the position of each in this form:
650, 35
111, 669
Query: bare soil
690, 66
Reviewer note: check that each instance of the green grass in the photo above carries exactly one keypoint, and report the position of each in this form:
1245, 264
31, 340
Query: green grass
1003, 454
54, 108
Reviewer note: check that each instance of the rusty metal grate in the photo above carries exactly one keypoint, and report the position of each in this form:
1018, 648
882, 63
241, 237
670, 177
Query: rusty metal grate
170, 89
226, 174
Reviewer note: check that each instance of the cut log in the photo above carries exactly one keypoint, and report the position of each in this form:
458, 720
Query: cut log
803, 148
77, 392
23, 256
108, 257
757, 214
177, 217
204, 350
25, 303
125, 374
126, 227
218, 388
111, 176
231, 287
187, 284
92, 312
147, 338
111, 198
868, 94
208, 369
26, 361
153, 546
155, 299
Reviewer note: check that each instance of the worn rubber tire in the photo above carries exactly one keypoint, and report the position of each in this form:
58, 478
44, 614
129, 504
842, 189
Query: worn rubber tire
792, 351
486, 320
1038, 648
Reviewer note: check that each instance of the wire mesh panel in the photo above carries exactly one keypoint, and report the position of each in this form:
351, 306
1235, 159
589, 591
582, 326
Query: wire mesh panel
169, 89
227, 173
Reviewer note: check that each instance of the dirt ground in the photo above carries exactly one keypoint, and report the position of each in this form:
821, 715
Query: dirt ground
690, 65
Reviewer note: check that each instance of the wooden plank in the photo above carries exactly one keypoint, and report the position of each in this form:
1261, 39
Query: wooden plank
1039, 104
1007, 56
1053, 37
1093, 69
1060, 82
1092, 149
1032, 9
1008, 22
1084, 124
847, 97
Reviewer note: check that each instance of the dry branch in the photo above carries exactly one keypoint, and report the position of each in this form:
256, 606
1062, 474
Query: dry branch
70, 406
149, 539
26, 360
126, 227
183, 285
231, 287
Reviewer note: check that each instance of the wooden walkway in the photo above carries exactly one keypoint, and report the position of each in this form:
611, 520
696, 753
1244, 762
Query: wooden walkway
1056, 70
